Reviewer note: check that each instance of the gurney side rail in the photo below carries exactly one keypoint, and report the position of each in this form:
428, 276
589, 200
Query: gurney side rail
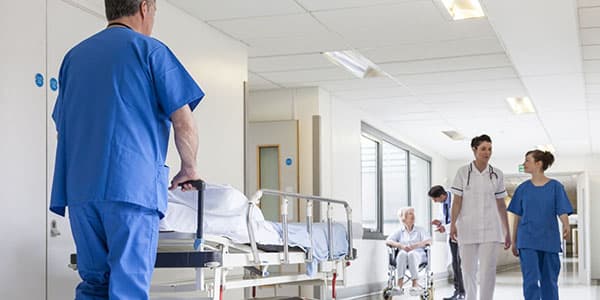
285, 196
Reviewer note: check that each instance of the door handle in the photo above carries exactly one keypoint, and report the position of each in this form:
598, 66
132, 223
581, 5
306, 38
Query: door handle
54, 229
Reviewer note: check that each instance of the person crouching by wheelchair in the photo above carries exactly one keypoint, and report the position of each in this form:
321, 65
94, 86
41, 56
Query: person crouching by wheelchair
411, 241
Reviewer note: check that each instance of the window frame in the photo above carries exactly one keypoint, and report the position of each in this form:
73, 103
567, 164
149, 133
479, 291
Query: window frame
379, 137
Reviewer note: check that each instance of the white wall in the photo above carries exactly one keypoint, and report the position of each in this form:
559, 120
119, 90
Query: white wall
219, 65
290, 104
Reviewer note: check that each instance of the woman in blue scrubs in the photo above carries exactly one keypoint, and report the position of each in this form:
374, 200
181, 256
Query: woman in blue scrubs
537, 203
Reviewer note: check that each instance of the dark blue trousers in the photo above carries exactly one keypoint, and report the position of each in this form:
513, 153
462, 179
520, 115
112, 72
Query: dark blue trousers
540, 274
116, 249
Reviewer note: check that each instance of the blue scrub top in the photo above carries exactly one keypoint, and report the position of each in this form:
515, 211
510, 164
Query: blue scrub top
538, 207
118, 90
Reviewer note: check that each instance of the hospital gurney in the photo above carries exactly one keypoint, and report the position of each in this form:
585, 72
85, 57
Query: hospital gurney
214, 257
257, 261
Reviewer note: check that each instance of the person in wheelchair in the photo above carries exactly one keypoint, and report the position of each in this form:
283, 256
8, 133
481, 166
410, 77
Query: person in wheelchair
410, 240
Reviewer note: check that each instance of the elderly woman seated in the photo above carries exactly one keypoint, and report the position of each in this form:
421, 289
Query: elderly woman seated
411, 241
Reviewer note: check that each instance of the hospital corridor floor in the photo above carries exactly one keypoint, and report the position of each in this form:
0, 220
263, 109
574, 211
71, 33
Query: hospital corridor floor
508, 285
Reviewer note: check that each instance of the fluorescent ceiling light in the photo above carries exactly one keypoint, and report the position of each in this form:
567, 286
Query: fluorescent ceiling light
454, 135
547, 147
520, 105
354, 63
463, 9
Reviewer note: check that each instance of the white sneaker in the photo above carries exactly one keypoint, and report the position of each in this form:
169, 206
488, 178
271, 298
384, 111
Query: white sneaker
415, 291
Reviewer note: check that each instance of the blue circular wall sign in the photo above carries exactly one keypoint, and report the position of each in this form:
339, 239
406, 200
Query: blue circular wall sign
39, 80
53, 84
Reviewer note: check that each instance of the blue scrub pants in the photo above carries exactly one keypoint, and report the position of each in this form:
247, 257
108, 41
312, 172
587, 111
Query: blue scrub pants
540, 274
116, 249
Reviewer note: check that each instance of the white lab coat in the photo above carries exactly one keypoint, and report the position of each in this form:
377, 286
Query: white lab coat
478, 220
479, 227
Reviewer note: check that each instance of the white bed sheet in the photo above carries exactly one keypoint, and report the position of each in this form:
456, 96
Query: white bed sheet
225, 210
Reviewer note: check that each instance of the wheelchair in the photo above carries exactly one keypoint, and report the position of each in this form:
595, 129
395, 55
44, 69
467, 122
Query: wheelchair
425, 276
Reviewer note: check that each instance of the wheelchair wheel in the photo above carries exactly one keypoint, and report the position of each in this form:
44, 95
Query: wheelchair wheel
387, 295
428, 292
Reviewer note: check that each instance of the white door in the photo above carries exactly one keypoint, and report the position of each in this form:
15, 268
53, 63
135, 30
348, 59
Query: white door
272, 163
62, 35
22, 149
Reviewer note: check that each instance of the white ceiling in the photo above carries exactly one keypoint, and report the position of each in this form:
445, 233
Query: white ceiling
446, 75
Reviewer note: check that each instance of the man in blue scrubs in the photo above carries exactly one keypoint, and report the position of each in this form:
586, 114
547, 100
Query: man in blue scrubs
120, 92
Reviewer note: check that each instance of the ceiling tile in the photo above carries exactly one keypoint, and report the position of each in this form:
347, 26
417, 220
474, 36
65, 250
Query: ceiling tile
554, 122
590, 36
347, 21
589, 17
592, 78
388, 92
498, 96
493, 85
256, 82
287, 62
270, 27
458, 76
312, 44
593, 104
591, 66
354, 84
588, 3
235, 9
572, 146
297, 76
364, 38
447, 64
569, 95
591, 52
432, 50
316, 5
592, 89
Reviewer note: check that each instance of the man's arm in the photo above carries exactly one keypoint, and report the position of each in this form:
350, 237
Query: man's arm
186, 141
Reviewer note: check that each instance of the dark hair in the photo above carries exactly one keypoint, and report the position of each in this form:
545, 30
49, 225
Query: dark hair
436, 191
476, 141
121, 8
545, 157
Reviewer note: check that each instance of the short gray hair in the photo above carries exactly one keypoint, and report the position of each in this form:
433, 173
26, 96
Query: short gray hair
121, 8
402, 211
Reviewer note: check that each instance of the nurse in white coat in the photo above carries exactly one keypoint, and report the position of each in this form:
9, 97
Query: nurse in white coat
479, 222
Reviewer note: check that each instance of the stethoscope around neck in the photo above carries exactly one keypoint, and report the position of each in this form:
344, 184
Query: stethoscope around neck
491, 171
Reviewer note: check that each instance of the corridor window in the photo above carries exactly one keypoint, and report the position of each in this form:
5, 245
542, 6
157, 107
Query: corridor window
395, 185
369, 149
394, 175
420, 182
